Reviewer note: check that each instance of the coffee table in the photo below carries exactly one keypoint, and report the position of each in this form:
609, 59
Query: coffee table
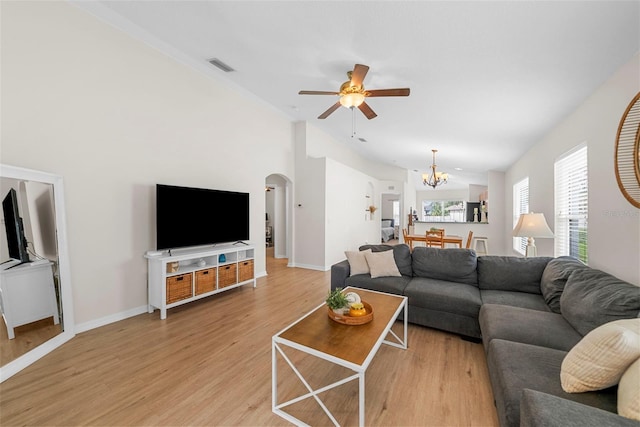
317, 335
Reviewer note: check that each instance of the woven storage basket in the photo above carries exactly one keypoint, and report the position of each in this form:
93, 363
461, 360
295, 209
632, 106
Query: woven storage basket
245, 270
205, 281
179, 287
227, 275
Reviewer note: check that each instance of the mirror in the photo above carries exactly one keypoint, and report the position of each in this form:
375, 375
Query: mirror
36, 297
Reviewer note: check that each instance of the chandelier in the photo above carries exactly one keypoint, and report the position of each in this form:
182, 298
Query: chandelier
435, 178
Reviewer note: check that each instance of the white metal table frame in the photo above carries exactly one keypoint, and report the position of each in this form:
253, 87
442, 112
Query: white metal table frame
359, 370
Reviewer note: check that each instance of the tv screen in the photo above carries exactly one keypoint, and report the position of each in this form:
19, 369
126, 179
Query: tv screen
196, 216
16, 242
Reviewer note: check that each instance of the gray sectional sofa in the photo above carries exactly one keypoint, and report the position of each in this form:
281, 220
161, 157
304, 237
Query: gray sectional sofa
528, 312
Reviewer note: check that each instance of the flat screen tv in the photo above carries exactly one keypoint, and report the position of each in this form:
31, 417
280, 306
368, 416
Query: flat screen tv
16, 241
196, 217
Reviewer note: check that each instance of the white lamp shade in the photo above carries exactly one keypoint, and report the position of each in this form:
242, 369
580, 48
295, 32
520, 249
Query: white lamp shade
532, 225
350, 100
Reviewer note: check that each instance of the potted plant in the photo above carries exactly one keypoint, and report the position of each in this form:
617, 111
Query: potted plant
337, 301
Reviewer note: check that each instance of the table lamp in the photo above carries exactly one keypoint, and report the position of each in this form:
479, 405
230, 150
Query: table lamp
532, 225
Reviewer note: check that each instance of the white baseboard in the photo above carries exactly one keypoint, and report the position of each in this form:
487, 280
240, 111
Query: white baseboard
87, 326
310, 267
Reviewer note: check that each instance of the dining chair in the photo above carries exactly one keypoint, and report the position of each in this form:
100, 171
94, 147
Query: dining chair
435, 238
469, 239
407, 240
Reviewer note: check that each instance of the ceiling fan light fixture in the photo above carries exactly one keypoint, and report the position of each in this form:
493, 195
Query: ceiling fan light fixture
350, 100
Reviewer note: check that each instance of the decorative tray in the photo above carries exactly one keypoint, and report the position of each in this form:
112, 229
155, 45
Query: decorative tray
345, 319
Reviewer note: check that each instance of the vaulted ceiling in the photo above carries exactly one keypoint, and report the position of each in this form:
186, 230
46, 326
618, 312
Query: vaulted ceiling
487, 79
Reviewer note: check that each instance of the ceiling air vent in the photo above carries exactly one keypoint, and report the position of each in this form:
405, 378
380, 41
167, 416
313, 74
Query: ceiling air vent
221, 65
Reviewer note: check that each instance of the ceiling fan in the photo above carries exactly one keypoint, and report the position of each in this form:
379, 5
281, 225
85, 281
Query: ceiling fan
352, 93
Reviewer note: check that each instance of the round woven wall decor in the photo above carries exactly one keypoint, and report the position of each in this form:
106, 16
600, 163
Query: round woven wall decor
627, 157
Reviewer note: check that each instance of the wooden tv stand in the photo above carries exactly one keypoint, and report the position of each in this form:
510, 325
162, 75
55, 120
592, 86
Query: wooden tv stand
191, 274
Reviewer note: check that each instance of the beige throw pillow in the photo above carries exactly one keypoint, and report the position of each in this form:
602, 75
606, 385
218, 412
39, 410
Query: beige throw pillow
601, 357
629, 392
357, 262
382, 264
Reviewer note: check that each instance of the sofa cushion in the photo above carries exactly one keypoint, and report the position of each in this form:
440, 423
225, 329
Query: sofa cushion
514, 367
357, 262
442, 295
401, 253
544, 410
527, 326
382, 264
390, 285
554, 278
601, 357
455, 265
629, 392
592, 298
516, 299
508, 273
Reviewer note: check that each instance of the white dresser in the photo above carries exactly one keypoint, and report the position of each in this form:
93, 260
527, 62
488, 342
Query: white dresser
27, 294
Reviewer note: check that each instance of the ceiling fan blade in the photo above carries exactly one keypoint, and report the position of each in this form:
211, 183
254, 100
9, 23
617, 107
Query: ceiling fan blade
367, 111
389, 92
331, 109
317, 92
357, 76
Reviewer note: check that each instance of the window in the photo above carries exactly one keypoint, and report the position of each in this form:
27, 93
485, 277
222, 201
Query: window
571, 204
443, 210
520, 206
396, 212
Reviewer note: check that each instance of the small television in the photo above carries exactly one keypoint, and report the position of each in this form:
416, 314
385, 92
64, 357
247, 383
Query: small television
196, 216
16, 241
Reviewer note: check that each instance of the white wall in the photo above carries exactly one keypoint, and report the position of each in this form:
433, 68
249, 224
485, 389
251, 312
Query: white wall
348, 224
330, 202
475, 191
614, 224
309, 202
114, 117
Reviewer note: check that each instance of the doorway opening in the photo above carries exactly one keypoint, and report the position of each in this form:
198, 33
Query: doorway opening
278, 214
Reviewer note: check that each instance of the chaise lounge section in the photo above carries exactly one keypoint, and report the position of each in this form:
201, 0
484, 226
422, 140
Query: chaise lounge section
528, 312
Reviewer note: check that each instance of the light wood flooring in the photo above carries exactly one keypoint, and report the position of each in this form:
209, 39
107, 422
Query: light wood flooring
27, 337
209, 364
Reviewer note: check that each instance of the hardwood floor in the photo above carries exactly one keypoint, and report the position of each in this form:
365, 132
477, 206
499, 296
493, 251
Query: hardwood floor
209, 363
27, 337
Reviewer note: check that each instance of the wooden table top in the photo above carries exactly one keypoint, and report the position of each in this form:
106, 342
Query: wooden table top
351, 343
456, 240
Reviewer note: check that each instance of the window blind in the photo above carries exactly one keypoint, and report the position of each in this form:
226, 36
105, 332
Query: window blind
520, 206
571, 204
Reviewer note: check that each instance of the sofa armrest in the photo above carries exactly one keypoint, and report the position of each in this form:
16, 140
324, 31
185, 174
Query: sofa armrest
339, 273
539, 409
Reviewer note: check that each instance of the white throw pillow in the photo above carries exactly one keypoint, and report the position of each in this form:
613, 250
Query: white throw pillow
629, 392
386, 223
357, 262
382, 264
601, 357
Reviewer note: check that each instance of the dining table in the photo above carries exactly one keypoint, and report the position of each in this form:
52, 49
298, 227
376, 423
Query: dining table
410, 238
